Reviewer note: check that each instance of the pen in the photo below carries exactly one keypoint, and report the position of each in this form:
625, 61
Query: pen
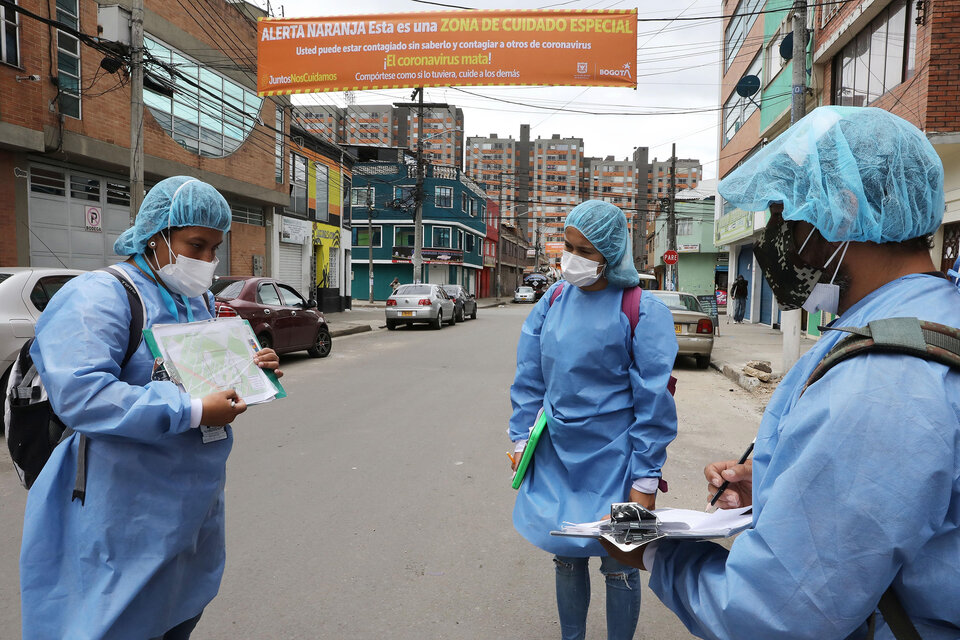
512, 459
726, 483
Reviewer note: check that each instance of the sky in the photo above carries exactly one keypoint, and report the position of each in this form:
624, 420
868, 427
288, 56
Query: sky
678, 70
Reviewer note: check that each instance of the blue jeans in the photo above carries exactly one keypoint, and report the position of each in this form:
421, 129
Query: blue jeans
573, 597
739, 309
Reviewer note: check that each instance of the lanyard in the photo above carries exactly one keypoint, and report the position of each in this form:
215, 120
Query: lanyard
168, 301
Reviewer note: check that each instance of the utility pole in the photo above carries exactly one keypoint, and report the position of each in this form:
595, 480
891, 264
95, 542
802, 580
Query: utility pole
136, 108
672, 219
790, 320
419, 196
370, 237
499, 234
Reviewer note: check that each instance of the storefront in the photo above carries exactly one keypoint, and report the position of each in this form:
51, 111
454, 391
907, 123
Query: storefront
293, 255
326, 252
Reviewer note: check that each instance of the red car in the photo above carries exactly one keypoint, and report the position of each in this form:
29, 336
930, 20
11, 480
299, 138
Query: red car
280, 316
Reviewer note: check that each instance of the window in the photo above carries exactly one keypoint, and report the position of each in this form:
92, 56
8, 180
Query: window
361, 236
404, 196
68, 59
204, 112
737, 110
247, 215
773, 63
267, 294
290, 297
459, 244
739, 26
322, 199
48, 181
82, 188
9, 40
298, 184
684, 227
470, 243
278, 144
464, 202
441, 237
879, 58
444, 197
45, 288
362, 197
403, 236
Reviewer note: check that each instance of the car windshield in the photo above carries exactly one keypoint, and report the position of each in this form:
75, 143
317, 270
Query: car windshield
525, 289
227, 289
413, 290
452, 290
679, 301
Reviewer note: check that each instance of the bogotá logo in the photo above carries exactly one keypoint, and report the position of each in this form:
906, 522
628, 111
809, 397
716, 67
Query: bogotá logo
623, 72
583, 67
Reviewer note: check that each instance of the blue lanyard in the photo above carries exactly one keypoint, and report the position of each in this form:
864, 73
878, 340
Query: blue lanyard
164, 294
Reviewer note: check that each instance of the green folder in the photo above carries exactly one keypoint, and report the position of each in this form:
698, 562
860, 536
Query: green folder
527, 457
155, 350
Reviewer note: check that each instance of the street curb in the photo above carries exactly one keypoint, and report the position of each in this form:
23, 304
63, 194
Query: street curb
349, 331
744, 381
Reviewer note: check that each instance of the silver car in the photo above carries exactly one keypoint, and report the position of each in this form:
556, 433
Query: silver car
412, 303
524, 294
24, 294
693, 327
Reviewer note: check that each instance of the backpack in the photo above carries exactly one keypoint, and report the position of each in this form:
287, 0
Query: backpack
31, 428
630, 307
913, 337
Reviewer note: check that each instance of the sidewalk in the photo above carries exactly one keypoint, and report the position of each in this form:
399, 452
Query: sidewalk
370, 317
738, 344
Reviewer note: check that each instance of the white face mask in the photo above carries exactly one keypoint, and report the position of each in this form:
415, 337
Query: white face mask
187, 276
825, 297
579, 271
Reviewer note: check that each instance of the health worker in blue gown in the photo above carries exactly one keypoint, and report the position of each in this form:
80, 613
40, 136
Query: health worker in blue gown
142, 555
604, 387
855, 481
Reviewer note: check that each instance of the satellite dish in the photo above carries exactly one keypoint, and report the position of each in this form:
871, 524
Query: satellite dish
748, 86
786, 47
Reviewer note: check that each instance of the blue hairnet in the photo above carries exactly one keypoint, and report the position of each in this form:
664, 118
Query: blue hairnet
175, 202
854, 173
605, 226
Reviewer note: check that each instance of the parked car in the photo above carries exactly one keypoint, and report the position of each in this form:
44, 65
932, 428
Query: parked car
647, 281
693, 327
524, 294
24, 294
282, 319
412, 303
465, 304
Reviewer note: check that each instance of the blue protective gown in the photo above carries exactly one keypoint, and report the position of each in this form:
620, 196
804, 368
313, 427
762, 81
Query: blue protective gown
609, 414
856, 485
146, 551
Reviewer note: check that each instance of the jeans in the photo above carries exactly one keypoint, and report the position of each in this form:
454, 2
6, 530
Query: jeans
739, 309
182, 631
573, 597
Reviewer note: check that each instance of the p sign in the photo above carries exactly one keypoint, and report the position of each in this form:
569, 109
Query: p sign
671, 257
93, 217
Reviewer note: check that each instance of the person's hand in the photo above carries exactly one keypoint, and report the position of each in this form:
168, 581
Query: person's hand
630, 558
516, 458
221, 408
646, 500
268, 359
739, 493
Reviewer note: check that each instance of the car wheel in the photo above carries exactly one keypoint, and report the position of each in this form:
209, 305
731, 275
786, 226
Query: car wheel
473, 316
463, 315
391, 325
323, 344
265, 341
453, 318
703, 362
438, 321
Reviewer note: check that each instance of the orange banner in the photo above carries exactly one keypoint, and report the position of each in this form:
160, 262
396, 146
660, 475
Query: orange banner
443, 48
553, 249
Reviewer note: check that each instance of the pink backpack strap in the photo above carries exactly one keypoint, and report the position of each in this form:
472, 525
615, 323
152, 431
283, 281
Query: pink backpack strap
555, 294
630, 305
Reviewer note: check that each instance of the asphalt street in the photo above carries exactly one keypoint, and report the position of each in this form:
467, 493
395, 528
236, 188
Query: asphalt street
375, 501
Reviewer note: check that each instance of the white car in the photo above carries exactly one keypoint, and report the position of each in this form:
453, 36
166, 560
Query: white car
524, 294
24, 294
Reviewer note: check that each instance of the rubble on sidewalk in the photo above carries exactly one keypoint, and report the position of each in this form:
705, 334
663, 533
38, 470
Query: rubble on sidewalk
759, 369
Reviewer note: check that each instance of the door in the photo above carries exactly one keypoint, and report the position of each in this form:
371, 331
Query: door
302, 322
438, 273
766, 302
291, 264
745, 269
273, 314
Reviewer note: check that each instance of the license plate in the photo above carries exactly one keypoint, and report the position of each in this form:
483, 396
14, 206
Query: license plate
409, 314
677, 328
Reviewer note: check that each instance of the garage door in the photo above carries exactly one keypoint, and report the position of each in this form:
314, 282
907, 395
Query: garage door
291, 265
438, 274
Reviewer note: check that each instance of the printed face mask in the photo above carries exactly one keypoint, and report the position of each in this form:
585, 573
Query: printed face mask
792, 282
826, 297
579, 271
187, 276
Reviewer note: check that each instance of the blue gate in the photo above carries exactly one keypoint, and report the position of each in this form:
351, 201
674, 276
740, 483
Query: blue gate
745, 269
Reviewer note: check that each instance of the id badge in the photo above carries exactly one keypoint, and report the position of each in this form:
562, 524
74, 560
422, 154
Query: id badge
212, 434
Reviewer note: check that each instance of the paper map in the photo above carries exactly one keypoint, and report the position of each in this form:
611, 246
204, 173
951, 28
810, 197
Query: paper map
213, 355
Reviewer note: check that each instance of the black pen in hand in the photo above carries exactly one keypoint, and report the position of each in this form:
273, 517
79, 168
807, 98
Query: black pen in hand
726, 483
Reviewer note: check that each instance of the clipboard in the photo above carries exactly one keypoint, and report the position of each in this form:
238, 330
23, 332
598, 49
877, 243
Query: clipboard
538, 426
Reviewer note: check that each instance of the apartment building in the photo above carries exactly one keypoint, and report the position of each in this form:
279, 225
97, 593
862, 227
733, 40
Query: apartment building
491, 162
555, 185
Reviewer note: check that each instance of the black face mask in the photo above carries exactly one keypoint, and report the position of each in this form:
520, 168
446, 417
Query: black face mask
792, 281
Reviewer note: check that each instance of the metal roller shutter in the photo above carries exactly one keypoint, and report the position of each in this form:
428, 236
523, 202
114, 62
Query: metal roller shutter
291, 265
